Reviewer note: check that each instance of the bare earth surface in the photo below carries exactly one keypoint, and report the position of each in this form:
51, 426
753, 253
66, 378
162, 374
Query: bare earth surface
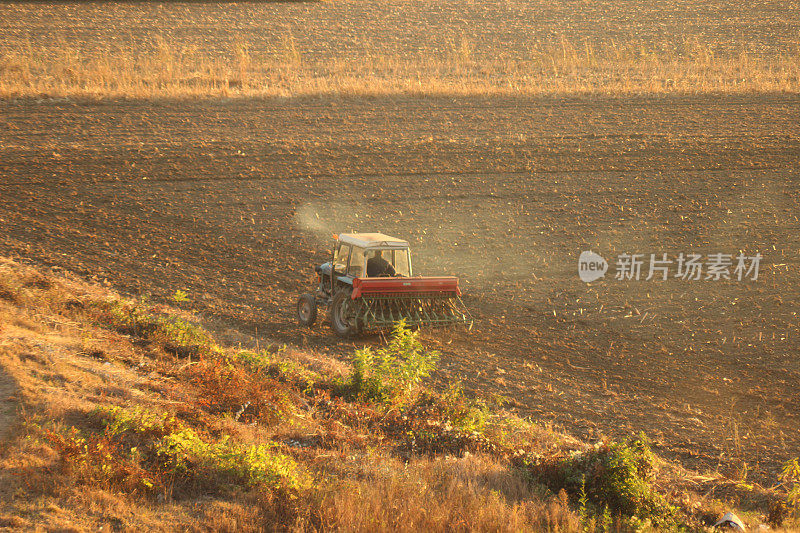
234, 201
7, 405
347, 29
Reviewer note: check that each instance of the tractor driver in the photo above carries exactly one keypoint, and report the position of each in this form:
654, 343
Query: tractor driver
378, 266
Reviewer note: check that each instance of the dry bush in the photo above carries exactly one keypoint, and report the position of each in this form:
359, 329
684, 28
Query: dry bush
98, 461
246, 396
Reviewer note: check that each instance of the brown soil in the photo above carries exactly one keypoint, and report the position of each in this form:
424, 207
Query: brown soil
234, 201
8, 407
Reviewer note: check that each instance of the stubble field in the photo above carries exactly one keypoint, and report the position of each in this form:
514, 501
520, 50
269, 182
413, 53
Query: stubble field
232, 195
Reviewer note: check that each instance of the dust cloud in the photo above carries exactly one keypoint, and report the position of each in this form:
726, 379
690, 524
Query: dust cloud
478, 245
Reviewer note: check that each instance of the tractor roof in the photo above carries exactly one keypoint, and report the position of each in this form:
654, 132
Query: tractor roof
372, 240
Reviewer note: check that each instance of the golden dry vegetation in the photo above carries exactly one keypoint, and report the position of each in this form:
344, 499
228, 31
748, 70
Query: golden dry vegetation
120, 425
399, 47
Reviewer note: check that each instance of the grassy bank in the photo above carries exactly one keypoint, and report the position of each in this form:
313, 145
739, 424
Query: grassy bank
132, 415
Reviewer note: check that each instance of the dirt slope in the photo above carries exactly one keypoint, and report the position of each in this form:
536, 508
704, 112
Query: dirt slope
122, 433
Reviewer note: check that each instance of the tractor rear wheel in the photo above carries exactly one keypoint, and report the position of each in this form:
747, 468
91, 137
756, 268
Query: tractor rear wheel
307, 309
343, 319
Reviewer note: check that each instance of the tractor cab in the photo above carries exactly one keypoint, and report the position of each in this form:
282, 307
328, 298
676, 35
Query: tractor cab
366, 255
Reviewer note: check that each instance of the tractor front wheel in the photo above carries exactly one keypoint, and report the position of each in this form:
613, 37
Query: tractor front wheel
307, 310
343, 316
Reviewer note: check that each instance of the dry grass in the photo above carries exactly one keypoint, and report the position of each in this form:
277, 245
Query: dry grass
161, 68
457, 494
397, 47
79, 461
65, 366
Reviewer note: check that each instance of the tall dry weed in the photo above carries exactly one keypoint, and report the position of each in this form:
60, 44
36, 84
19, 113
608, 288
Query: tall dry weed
160, 67
468, 494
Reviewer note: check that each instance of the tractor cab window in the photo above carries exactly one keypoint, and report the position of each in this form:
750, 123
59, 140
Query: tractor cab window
402, 265
388, 263
357, 262
340, 258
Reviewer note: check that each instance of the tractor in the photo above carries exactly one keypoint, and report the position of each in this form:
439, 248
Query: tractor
369, 285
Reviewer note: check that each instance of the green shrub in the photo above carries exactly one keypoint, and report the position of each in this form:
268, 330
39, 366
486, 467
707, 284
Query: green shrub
186, 454
178, 336
127, 318
790, 477
180, 296
618, 475
141, 451
392, 373
183, 338
273, 364
253, 360
136, 421
463, 413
